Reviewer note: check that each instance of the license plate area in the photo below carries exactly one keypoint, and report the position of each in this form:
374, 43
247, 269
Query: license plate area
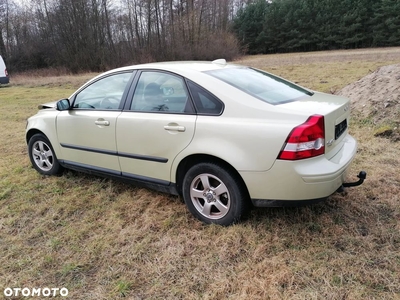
340, 128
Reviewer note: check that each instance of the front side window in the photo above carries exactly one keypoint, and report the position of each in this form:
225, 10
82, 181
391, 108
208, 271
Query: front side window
160, 92
104, 94
262, 85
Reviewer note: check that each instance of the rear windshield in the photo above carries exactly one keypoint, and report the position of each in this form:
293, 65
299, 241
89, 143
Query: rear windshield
262, 85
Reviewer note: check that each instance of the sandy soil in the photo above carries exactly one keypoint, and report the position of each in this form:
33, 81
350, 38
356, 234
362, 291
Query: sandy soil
376, 98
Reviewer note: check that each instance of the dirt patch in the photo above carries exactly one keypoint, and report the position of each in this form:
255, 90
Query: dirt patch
376, 99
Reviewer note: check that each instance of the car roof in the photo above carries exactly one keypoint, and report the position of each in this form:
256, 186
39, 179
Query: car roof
182, 66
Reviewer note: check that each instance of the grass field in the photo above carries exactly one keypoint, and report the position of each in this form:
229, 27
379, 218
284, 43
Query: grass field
103, 239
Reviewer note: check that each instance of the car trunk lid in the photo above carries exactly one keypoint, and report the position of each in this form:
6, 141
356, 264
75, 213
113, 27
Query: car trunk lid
336, 112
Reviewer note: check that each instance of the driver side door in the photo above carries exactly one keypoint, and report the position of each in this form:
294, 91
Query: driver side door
86, 132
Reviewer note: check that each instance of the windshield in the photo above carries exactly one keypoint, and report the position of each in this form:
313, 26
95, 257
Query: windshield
262, 85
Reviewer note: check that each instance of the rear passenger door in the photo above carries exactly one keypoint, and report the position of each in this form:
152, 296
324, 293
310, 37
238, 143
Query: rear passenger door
151, 132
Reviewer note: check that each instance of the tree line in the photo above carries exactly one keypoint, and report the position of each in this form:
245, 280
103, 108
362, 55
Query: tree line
310, 25
95, 35
100, 34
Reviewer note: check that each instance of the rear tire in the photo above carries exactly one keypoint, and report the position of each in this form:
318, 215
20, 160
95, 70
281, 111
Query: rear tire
213, 195
42, 155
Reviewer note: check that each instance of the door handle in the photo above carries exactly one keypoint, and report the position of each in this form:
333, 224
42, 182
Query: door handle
175, 128
102, 123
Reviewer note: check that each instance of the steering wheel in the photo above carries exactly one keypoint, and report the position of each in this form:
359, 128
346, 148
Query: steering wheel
110, 102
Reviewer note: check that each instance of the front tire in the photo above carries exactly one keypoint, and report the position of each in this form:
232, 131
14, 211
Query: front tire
42, 155
213, 195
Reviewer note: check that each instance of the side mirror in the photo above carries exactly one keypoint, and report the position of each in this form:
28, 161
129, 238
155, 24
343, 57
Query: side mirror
63, 104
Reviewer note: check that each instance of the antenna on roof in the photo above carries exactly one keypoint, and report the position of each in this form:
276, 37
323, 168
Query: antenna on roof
220, 61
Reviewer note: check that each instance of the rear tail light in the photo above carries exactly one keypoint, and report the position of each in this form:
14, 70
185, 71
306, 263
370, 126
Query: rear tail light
5, 71
306, 140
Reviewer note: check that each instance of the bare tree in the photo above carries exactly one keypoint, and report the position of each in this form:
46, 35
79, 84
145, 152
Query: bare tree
99, 34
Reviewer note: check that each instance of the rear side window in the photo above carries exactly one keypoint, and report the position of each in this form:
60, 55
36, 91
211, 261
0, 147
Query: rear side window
205, 102
161, 92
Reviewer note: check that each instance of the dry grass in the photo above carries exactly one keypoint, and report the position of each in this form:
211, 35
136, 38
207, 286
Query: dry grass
326, 71
50, 78
103, 239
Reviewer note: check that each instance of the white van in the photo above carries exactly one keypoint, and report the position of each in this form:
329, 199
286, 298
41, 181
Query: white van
3, 72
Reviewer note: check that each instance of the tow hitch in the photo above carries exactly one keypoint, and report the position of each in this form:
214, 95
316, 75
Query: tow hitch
362, 175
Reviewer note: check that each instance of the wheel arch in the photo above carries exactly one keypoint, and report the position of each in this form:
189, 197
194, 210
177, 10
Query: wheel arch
51, 136
32, 132
194, 159
46, 163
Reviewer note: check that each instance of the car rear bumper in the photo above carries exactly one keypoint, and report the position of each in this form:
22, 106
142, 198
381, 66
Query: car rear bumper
4, 80
305, 180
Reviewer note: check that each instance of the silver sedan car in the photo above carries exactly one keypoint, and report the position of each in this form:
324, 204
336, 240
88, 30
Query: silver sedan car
223, 136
